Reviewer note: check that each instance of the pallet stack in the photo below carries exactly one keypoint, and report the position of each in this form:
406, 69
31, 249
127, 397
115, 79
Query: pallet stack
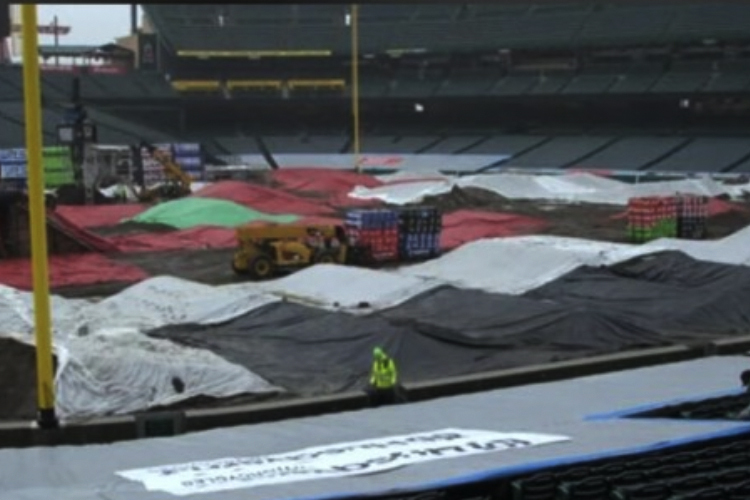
374, 232
419, 233
190, 159
153, 171
652, 217
692, 217
58, 166
13, 167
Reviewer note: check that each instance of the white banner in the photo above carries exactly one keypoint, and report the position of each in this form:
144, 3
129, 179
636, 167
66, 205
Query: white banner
320, 462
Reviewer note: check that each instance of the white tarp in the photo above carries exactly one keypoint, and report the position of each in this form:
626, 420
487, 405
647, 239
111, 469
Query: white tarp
421, 163
570, 188
336, 460
107, 366
516, 265
349, 288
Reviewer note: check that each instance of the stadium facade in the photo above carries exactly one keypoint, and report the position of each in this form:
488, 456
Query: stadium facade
618, 85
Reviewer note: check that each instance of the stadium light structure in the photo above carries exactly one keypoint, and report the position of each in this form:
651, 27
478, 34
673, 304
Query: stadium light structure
46, 418
354, 21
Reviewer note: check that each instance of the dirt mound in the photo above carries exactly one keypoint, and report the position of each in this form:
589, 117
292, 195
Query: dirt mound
460, 198
18, 375
128, 228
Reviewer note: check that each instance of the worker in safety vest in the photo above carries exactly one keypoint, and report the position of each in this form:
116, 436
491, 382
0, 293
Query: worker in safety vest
383, 379
744, 414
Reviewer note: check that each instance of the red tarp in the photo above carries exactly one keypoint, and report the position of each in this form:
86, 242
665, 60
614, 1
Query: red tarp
464, 226
263, 199
195, 238
88, 216
71, 270
332, 185
90, 240
459, 227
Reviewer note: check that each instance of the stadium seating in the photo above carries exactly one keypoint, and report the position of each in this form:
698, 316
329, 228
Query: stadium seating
632, 153
383, 27
706, 155
509, 144
559, 152
707, 470
454, 145
57, 86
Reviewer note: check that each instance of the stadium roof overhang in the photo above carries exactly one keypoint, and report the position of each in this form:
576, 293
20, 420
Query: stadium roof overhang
252, 54
110, 50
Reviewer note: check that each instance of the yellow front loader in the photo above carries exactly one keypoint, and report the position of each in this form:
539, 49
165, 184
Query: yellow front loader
265, 251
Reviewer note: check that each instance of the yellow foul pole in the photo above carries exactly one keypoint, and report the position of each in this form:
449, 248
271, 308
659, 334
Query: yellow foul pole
46, 417
355, 84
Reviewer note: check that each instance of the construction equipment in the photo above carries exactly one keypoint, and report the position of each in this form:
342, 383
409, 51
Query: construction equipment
265, 251
177, 185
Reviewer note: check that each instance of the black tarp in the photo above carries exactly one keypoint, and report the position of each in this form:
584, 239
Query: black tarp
660, 300
669, 290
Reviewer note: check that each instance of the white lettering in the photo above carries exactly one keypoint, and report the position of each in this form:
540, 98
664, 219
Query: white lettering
346, 459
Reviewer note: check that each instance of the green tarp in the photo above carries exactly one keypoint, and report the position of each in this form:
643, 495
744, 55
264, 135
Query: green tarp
192, 212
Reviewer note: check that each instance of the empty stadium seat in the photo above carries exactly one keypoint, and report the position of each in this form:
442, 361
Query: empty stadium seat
453, 145
589, 84
711, 493
536, 487
514, 84
631, 153
680, 82
733, 476
705, 155
550, 83
642, 492
559, 152
468, 83
739, 491
684, 485
591, 488
628, 478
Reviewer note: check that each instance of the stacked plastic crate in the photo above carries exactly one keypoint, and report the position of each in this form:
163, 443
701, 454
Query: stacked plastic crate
419, 233
13, 167
652, 217
692, 217
190, 159
58, 166
374, 232
153, 171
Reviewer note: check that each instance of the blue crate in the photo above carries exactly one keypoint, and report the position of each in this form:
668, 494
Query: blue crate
187, 149
13, 170
17, 155
372, 219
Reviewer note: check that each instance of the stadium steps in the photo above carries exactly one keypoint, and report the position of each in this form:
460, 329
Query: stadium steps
737, 166
453, 145
512, 145
11, 85
705, 154
584, 84
666, 154
718, 408
414, 144
630, 153
12, 133
13, 112
718, 467
558, 151
590, 154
